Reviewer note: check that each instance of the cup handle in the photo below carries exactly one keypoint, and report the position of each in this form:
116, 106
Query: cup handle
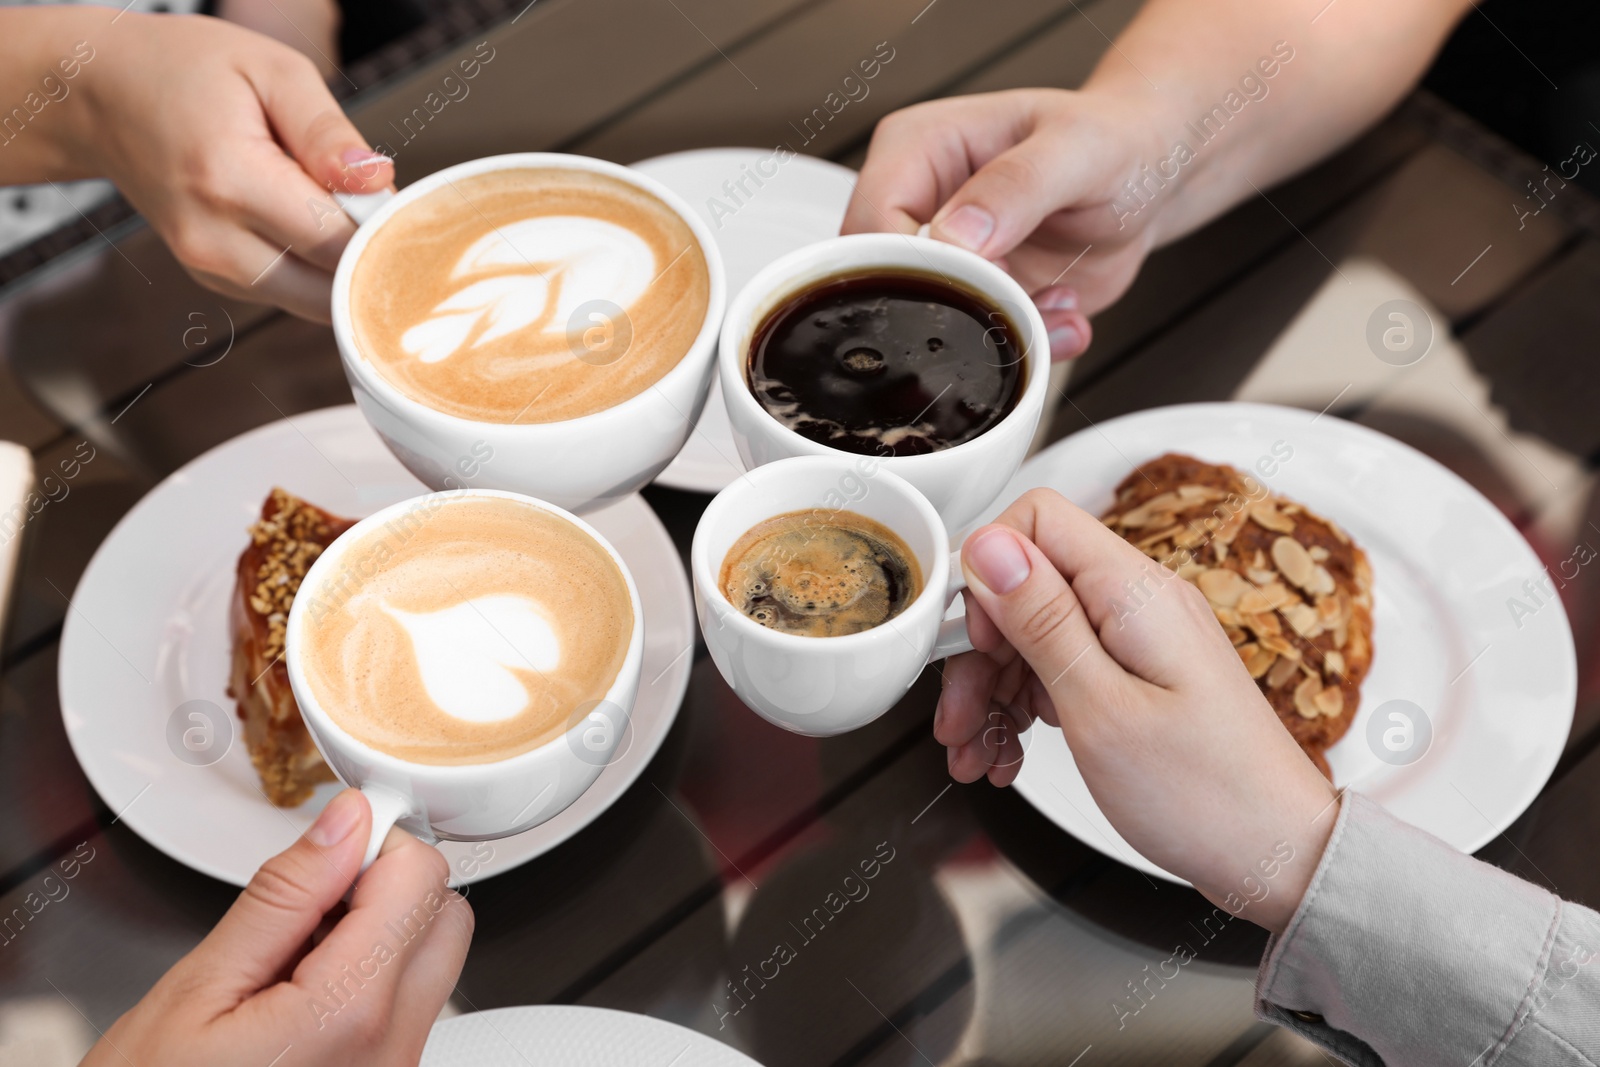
361, 207
388, 808
953, 639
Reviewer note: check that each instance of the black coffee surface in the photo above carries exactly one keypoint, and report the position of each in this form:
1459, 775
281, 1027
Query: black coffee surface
820, 573
887, 364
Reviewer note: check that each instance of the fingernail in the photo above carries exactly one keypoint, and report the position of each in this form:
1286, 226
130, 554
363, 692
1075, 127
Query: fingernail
1066, 340
998, 561
361, 157
1058, 299
968, 226
337, 820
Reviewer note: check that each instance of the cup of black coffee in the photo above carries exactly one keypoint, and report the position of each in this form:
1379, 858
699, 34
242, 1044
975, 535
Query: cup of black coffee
914, 352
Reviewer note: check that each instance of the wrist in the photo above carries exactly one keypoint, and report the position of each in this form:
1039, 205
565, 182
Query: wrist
51, 54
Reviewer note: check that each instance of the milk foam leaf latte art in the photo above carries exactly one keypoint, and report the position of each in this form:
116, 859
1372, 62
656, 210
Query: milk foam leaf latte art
466, 630
577, 259
465, 298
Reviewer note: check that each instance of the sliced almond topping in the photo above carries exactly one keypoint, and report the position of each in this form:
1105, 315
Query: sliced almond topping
1230, 528
1281, 646
1282, 670
1318, 553
1190, 571
1305, 695
1279, 595
1343, 537
1258, 661
1341, 634
1329, 701
1236, 635
1267, 515
1289, 508
1220, 550
1253, 602
1260, 561
1161, 535
1321, 581
1333, 610
1227, 616
1303, 618
1223, 588
1333, 663
1199, 494
1192, 536
1156, 509
1265, 622
1292, 559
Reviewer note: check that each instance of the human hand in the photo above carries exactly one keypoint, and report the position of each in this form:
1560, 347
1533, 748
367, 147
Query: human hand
261, 988
228, 142
1183, 754
1024, 178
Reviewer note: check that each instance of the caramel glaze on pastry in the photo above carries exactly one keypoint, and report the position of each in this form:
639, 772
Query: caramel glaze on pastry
1290, 589
284, 542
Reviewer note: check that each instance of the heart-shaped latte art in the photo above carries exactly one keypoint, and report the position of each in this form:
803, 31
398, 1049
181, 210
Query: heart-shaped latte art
533, 274
468, 654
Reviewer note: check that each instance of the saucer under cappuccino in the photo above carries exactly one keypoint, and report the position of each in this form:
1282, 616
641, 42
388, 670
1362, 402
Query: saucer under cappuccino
527, 295
465, 630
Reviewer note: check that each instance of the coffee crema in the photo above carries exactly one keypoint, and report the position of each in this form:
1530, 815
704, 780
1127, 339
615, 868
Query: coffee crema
533, 294
820, 573
465, 630
885, 362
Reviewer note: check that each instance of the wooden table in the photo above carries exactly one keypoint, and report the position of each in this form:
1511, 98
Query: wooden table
993, 937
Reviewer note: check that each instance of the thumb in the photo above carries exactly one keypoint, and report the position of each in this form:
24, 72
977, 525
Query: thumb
998, 207
1035, 609
312, 128
269, 925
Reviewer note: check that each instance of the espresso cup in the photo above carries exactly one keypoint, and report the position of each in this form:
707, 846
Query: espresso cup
470, 801
579, 463
821, 686
961, 481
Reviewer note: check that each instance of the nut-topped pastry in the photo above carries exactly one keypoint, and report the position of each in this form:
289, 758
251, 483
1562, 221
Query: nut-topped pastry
1291, 590
284, 542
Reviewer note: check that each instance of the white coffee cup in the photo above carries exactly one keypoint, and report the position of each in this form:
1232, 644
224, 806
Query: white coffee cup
475, 801
579, 464
820, 686
961, 481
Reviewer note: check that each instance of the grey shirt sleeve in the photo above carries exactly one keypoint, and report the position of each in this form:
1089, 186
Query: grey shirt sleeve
1405, 952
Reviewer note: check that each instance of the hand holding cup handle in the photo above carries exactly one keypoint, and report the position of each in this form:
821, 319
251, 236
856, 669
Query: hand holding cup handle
468, 801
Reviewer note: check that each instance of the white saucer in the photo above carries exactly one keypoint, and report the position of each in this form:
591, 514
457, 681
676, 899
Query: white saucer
1445, 561
802, 203
148, 631
566, 1036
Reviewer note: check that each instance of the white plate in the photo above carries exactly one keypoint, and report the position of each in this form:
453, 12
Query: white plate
1444, 562
804, 202
148, 631
565, 1036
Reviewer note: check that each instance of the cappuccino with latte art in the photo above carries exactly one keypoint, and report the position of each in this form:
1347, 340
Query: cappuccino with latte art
529, 294
465, 630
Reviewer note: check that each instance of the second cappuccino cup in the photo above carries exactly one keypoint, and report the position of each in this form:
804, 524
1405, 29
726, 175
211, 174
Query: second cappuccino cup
469, 660
540, 323
825, 685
